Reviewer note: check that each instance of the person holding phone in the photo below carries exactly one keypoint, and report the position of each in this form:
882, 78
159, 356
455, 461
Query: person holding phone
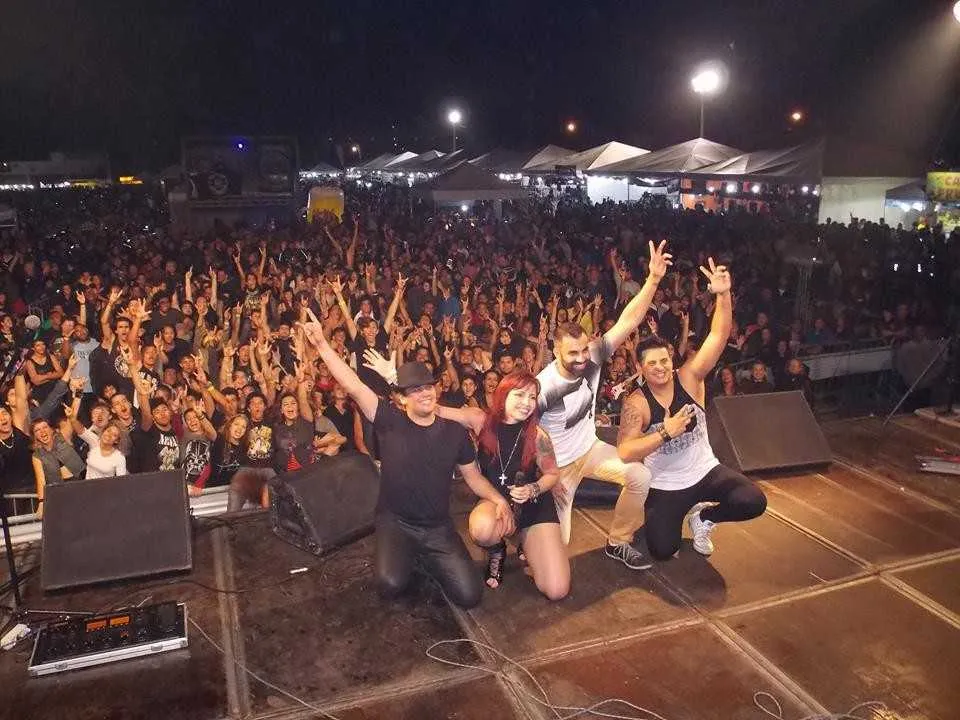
664, 424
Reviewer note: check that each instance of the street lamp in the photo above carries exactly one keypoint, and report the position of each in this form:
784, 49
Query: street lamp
571, 127
706, 81
796, 116
454, 117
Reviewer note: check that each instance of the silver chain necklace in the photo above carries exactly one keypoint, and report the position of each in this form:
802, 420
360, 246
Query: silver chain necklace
503, 465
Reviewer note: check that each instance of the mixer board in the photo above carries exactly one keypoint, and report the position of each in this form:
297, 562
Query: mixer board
88, 641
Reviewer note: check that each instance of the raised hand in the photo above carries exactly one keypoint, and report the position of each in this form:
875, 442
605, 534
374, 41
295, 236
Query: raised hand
384, 367
718, 277
401, 283
652, 324
115, 294
81, 297
659, 261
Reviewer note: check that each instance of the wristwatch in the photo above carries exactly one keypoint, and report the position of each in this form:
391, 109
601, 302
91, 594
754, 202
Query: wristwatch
664, 435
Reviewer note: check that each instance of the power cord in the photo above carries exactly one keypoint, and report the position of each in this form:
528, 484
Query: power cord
260, 678
760, 698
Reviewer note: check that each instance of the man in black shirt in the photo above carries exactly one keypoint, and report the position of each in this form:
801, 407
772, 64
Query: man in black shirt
419, 452
155, 445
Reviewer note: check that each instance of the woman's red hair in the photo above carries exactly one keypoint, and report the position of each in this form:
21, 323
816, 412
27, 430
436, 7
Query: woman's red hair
496, 415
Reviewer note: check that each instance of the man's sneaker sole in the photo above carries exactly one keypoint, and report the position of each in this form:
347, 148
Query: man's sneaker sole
644, 564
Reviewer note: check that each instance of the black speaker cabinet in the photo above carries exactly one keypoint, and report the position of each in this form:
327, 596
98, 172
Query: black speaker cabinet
113, 528
326, 505
769, 431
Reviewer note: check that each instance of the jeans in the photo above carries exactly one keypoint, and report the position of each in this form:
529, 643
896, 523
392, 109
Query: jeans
736, 496
440, 549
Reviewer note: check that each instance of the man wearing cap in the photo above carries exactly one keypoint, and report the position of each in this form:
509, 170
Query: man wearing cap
419, 452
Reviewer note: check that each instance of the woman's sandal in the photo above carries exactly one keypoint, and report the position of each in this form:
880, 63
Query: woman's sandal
496, 559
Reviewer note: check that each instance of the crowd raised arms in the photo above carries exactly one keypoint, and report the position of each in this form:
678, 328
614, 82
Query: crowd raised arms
236, 356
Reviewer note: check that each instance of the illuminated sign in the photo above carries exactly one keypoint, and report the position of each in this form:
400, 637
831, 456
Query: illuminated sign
943, 186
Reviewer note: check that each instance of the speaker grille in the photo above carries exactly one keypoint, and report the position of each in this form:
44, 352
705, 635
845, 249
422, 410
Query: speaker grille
112, 528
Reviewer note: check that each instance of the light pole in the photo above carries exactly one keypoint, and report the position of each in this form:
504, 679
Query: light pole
705, 82
355, 149
454, 117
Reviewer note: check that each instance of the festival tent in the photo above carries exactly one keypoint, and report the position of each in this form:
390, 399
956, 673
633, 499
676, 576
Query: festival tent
376, 163
416, 163
858, 174
501, 161
402, 157
323, 168
594, 158
800, 163
443, 163
675, 160
548, 154
467, 183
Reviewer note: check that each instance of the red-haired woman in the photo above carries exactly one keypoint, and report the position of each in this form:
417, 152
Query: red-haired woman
516, 456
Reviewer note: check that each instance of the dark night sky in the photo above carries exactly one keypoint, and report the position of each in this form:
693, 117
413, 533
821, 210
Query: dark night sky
131, 78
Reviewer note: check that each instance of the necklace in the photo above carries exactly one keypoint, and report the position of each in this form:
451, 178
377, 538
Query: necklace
503, 465
12, 441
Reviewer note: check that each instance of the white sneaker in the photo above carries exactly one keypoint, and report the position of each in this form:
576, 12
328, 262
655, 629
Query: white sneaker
701, 532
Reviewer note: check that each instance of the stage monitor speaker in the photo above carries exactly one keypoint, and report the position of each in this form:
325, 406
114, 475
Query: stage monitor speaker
327, 504
113, 528
769, 431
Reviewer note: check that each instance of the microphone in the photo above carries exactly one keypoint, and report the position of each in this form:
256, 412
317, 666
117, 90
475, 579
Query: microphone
519, 479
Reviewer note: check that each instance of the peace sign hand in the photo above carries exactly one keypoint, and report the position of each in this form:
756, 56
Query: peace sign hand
718, 276
659, 261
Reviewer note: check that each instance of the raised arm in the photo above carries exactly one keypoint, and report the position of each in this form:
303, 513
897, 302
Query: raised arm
397, 297
469, 417
237, 262
106, 332
352, 249
337, 286
365, 398
214, 300
303, 393
263, 263
82, 301
637, 308
701, 364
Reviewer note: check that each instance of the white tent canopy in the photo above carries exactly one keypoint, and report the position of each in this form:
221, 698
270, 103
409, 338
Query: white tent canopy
676, 159
595, 158
546, 155
467, 182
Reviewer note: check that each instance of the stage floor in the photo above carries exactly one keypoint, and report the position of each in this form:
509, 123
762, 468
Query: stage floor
847, 590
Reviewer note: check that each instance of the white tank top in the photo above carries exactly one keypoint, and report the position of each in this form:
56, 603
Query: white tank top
682, 462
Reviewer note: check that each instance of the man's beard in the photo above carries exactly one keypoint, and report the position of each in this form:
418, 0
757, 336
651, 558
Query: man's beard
573, 370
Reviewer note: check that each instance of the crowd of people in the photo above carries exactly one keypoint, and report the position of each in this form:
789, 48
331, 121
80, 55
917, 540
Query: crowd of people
238, 354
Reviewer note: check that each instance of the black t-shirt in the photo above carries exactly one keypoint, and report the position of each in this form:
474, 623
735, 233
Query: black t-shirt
258, 446
155, 450
295, 441
224, 462
367, 376
196, 458
16, 464
343, 422
417, 464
